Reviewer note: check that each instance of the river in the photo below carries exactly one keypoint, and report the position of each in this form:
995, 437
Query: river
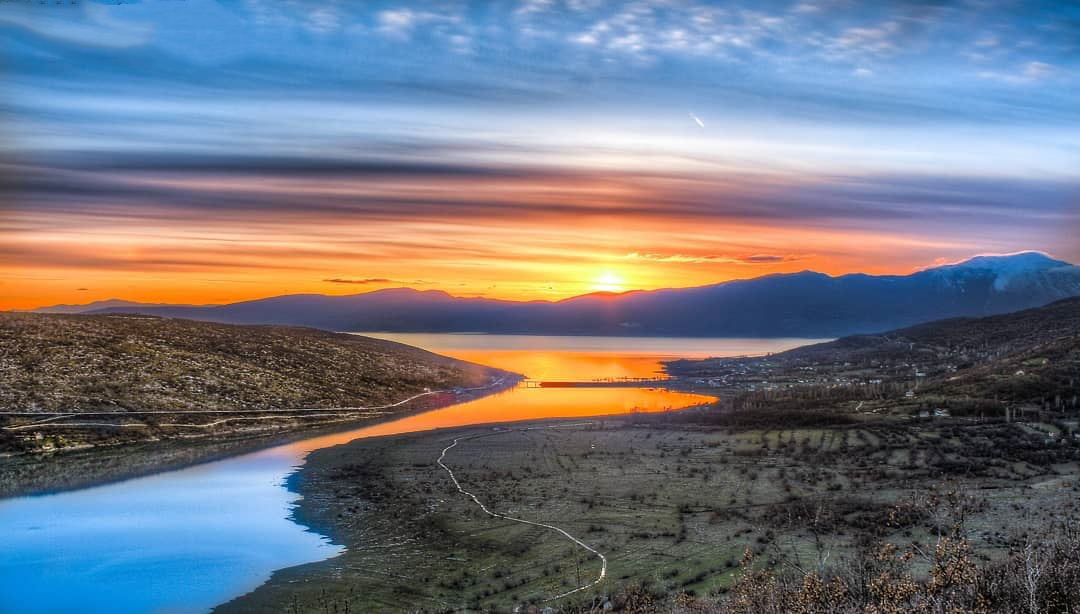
186, 540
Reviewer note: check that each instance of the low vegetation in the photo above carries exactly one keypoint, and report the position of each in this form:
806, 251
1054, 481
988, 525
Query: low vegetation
935, 469
93, 363
873, 515
69, 382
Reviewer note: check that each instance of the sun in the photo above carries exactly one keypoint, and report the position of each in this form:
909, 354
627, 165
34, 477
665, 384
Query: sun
608, 282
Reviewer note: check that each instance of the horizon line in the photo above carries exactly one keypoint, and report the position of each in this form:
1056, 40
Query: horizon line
569, 298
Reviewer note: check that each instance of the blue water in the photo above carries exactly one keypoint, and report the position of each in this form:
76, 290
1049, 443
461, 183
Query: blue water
181, 541
185, 541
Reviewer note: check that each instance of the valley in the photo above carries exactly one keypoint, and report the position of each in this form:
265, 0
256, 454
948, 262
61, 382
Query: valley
799, 488
947, 448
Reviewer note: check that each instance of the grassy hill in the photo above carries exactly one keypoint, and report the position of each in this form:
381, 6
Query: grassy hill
91, 363
182, 390
1029, 358
970, 340
967, 340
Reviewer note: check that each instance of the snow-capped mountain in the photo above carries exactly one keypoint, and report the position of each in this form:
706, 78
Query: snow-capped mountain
1014, 280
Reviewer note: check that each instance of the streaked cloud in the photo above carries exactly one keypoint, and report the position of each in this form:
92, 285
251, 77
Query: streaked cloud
370, 280
401, 22
80, 25
1029, 72
721, 258
520, 149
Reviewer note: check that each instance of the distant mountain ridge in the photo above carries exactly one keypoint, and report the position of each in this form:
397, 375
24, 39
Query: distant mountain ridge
805, 304
99, 305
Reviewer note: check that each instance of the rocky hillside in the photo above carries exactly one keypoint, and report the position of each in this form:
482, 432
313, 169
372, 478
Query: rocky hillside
82, 363
961, 342
1029, 358
969, 340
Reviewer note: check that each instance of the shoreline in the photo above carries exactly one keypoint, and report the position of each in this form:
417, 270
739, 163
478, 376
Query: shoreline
672, 505
45, 473
294, 482
313, 512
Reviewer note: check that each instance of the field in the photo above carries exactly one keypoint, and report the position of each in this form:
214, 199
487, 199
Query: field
675, 508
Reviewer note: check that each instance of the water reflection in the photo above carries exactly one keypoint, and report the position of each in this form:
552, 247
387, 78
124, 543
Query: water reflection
184, 541
521, 404
583, 357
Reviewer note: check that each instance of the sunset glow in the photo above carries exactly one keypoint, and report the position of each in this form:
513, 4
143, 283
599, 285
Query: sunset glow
228, 171
608, 282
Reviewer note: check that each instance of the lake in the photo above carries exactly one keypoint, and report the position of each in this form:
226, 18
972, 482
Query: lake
184, 541
577, 358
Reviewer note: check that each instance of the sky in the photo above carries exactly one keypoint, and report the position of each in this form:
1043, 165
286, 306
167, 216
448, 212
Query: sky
208, 152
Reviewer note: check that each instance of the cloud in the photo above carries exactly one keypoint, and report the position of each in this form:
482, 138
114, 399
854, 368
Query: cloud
83, 25
863, 41
84, 255
1029, 72
323, 19
169, 187
767, 259
398, 22
529, 7
643, 31
714, 258
1036, 70
371, 280
401, 23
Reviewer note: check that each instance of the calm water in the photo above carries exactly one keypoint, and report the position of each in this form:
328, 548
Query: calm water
577, 358
184, 541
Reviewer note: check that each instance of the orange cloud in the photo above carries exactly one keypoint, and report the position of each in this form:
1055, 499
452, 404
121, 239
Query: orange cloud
214, 237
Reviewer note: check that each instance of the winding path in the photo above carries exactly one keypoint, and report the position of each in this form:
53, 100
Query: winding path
603, 559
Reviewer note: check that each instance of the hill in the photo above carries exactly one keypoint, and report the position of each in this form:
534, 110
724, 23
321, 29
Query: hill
74, 381
100, 305
805, 304
1026, 359
91, 363
968, 340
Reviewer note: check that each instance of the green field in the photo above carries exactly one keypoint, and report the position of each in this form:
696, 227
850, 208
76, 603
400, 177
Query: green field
672, 507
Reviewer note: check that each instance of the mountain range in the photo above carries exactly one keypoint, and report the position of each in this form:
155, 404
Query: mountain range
804, 304
100, 305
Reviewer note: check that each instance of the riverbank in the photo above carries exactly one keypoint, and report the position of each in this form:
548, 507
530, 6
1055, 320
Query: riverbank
78, 381
69, 468
673, 506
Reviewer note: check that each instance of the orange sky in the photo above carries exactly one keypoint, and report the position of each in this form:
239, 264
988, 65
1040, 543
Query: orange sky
528, 237
213, 152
